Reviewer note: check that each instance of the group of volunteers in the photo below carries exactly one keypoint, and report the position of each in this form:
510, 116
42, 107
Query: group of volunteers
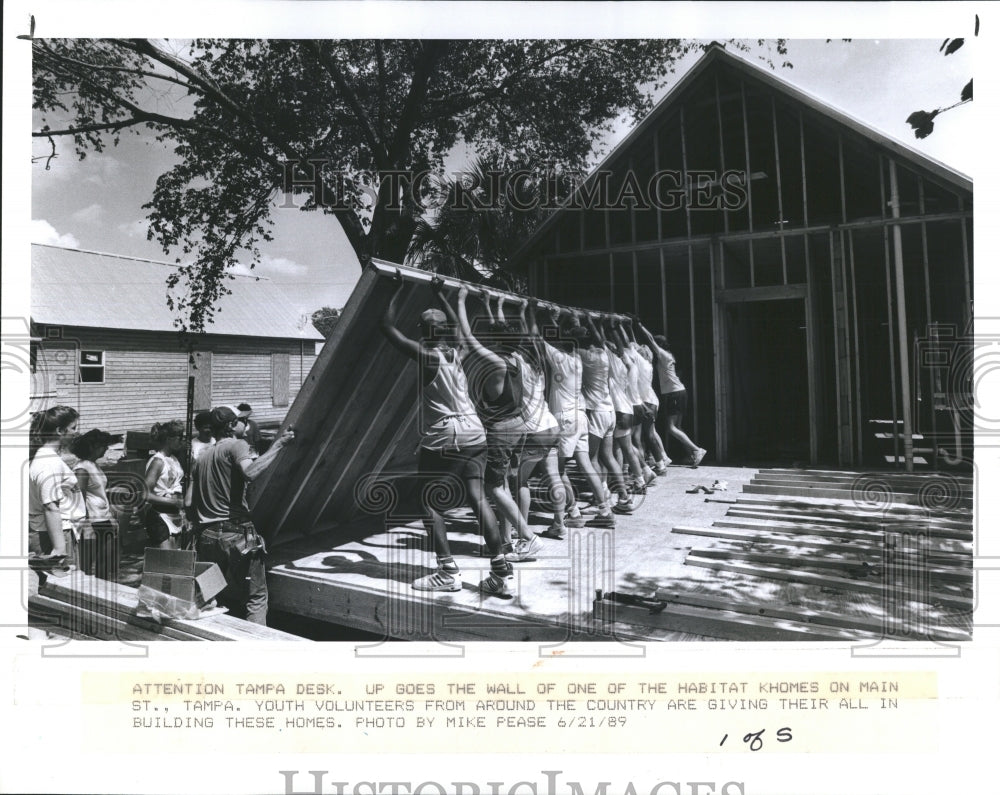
507, 402
71, 523
520, 398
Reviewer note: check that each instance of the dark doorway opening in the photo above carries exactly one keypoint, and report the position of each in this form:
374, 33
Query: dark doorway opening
768, 382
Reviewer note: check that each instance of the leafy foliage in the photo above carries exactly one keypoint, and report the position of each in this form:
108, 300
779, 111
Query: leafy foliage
325, 320
922, 121
246, 115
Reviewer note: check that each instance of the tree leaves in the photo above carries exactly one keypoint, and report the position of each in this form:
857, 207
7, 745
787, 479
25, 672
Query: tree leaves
922, 122
951, 45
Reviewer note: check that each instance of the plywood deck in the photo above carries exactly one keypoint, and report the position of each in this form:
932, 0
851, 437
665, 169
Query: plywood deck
361, 579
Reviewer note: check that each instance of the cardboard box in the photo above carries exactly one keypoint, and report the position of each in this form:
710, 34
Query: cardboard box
210, 580
183, 588
177, 573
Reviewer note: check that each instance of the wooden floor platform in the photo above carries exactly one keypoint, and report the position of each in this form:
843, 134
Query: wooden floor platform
82, 607
736, 564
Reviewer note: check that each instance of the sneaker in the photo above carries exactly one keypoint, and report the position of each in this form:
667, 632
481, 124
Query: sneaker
525, 550
439, 581
491, 585
556, 531
575, 521
638, 487
660, 469
697, 455
623, 506
602, 520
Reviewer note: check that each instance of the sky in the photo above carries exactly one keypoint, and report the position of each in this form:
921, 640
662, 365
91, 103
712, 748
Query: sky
96, 204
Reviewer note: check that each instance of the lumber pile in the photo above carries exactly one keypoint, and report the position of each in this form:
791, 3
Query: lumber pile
902, 570
82, 607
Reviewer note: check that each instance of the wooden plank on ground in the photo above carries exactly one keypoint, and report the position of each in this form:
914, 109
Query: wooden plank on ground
805, 490
843, 507
120, 601
887, 520
961, 577
824, 620
712, 622
872, 527
897, 591
850, 540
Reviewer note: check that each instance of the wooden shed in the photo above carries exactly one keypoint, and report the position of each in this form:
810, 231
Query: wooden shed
813, 277
104, 342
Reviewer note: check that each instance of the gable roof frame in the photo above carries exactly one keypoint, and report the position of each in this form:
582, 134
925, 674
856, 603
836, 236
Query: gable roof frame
716, 53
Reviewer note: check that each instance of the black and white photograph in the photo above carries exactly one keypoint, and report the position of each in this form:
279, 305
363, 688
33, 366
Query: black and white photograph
447, 347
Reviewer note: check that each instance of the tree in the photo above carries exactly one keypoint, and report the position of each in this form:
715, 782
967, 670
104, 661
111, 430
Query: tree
325, 320
341, 116
922, 121
482, 216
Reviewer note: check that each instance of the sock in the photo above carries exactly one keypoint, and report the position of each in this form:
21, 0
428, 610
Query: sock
447, 564
574, 511
499, 566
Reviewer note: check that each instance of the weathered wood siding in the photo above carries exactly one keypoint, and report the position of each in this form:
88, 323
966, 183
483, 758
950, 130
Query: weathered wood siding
146, 374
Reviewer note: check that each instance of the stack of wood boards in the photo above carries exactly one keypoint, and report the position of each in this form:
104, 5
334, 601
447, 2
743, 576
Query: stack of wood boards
817, 568
82, 607
355, 419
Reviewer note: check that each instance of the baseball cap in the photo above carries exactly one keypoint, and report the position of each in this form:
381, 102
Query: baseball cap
223, 415
433, 317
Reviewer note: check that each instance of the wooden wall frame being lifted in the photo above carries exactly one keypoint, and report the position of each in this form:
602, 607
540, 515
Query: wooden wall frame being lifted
355, 417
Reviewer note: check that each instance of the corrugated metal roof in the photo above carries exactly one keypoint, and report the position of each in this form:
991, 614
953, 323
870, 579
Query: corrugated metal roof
70, 287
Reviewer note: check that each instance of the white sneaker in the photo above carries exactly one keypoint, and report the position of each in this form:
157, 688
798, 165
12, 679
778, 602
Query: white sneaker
697, 455
525, 550
439, 581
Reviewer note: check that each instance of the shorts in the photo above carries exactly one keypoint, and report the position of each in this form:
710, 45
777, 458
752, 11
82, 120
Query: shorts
651, 411
675, 403
467, 463
641, 414
537, 444
600, 423
623, 424
504, 439
156, 529
573, 430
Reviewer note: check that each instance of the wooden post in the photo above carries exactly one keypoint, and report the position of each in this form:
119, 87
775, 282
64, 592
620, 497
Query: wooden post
889, 314
903, 336
721, 363
927, 308
781, 210
967, 277
746, 160
858, 429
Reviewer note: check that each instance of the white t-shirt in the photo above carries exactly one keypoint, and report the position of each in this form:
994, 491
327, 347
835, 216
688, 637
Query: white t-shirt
51, 481
96, 495
566, 380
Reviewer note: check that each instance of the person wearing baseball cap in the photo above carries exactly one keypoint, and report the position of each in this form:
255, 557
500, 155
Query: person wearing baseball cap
453, 442
216, 502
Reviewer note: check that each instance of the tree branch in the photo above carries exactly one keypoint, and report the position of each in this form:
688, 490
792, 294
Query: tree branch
374, 141
430, 54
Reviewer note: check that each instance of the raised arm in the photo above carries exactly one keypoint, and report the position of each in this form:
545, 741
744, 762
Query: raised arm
592, 327
469, 339
438, 287
398, 340
615, 335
